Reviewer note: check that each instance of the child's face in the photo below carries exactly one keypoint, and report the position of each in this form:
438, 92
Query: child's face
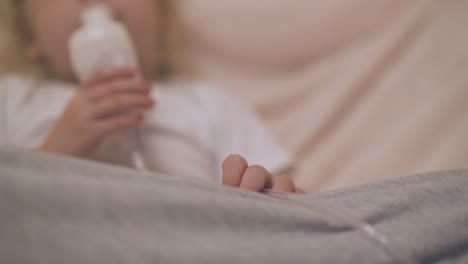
53, 21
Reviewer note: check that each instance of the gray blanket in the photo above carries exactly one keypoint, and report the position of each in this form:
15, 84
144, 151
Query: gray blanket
62, 210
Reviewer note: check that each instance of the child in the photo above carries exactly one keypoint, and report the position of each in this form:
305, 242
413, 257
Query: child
187, 130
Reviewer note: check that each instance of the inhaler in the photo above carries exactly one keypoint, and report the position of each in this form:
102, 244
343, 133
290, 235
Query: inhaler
104, 43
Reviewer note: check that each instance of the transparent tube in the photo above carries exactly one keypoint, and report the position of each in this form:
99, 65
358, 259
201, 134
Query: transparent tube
382, 241
136, 149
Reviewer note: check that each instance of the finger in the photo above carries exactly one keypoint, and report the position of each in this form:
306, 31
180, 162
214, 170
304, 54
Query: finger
117, 124
119, 86
256, 178
104, 76
283, 183
119, 104
234, 167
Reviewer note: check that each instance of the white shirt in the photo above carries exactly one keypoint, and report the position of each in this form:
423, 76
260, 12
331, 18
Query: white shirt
189, 133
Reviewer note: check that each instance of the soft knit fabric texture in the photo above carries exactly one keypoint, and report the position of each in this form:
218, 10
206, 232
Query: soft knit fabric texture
59, 210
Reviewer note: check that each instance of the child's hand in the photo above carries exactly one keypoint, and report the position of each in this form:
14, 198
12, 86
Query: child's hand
110, 102
238, 174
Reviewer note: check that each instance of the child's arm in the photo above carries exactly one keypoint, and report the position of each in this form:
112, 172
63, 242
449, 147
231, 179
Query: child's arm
101, 107
237, 173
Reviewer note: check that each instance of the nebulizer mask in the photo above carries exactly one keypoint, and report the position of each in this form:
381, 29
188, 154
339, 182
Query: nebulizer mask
103, 43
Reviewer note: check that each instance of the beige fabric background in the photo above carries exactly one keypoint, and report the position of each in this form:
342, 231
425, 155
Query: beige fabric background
359, 90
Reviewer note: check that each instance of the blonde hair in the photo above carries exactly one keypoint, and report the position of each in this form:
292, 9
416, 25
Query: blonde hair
13, 37
16, 36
